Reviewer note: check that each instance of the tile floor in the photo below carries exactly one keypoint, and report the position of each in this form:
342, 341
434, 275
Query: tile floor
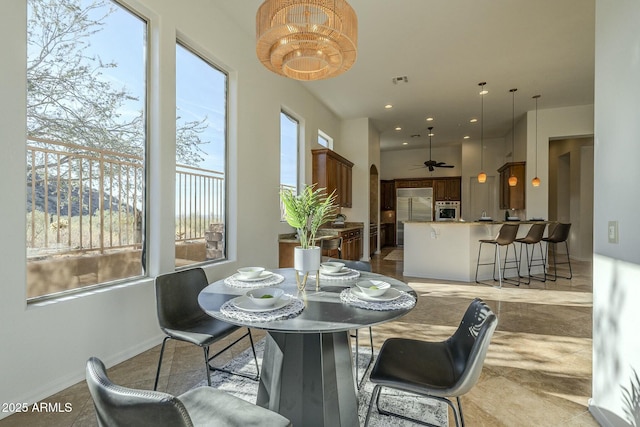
537, 372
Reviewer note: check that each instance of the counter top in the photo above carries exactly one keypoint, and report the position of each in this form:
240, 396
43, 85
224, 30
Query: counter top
323, 232
478, 222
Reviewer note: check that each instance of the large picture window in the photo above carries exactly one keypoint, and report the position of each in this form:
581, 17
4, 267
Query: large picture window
201, 146
86, 141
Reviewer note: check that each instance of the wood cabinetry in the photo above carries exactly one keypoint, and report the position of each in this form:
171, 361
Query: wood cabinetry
512, 197
352, 244
447, 189
373, 239
413, 183
285, 253
387, 234
333, 172
387, 195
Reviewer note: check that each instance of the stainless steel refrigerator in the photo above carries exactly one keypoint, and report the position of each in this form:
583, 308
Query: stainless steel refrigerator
412, 204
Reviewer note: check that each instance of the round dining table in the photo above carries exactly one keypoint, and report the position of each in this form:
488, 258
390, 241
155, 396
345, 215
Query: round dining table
307, 367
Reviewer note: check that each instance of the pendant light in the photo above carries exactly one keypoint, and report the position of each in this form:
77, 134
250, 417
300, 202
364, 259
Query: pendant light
536, 181
513, 180
482, 177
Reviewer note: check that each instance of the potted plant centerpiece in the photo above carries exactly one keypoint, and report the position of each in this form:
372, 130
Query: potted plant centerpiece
306, 212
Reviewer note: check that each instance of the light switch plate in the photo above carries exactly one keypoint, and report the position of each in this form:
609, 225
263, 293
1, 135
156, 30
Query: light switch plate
613, 231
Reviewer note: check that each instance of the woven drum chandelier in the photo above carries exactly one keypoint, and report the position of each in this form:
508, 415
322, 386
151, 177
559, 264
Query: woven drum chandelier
307, 40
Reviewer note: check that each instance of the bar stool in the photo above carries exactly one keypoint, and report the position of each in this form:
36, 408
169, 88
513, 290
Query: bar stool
506, 237
559, 234
533, 238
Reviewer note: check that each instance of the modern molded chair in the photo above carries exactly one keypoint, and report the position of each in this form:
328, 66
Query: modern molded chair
118, 406
332, 245
506, 237
559, 234
181, 318
439, 370
360, 266
533, 238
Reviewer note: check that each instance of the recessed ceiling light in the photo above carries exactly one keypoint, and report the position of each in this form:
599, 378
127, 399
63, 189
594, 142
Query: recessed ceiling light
405, 143
398, 128
473, 120
388, 106
466, 137
429, 119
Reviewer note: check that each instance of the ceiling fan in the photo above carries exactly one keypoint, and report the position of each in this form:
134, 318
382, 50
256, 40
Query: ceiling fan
432, 164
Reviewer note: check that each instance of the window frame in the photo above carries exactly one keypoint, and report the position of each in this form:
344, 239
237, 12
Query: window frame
192, 47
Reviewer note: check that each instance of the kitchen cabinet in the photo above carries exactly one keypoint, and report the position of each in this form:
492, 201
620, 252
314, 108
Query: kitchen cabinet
373, 239
333, 172
512, 197
387, 195
352, 244
413, 183
387, 234
285, 252
445, 189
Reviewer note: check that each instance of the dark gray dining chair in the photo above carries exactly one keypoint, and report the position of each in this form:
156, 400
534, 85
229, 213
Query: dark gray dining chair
360, 266
181, 318
438, 370
118, 406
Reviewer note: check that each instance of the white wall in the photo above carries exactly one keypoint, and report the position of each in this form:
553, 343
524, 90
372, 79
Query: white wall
50, 343
616, 267
354, 146
553, 123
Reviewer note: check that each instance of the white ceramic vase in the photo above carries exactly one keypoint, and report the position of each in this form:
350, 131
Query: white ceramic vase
306, 260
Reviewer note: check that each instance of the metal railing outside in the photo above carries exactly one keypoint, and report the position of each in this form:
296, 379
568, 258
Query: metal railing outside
81, 199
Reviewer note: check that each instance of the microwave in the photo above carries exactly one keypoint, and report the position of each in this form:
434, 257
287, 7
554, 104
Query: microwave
447, 211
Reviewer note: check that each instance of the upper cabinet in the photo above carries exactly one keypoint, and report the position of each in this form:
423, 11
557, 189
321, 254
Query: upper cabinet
512, 197
447, 188
333, 172
387, 195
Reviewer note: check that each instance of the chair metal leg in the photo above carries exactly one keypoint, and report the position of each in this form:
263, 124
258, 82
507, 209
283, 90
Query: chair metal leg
360, 381
459, 412
376, 395
555, 263
155, 384
206, 364
505, 268
240, 374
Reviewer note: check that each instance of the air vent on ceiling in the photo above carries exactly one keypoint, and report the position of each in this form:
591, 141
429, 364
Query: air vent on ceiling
400, 79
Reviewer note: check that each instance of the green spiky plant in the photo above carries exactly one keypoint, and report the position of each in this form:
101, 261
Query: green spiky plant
307, 211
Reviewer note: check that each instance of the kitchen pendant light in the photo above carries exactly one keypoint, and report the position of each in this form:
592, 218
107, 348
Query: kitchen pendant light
513, 180
482, 177
536, 181
306, 39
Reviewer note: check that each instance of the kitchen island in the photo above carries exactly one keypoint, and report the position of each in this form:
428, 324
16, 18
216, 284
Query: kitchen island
449, 250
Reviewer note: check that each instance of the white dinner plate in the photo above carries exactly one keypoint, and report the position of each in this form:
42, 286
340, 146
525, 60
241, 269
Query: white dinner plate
244, 303
262, 276
342, 272
390, 295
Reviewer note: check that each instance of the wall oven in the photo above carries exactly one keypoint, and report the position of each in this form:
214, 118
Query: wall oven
447, 211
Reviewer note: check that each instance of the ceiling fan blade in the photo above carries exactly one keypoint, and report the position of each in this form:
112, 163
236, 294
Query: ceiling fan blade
445, 166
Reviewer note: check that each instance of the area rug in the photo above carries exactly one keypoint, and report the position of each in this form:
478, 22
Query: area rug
395, 255
429, 410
